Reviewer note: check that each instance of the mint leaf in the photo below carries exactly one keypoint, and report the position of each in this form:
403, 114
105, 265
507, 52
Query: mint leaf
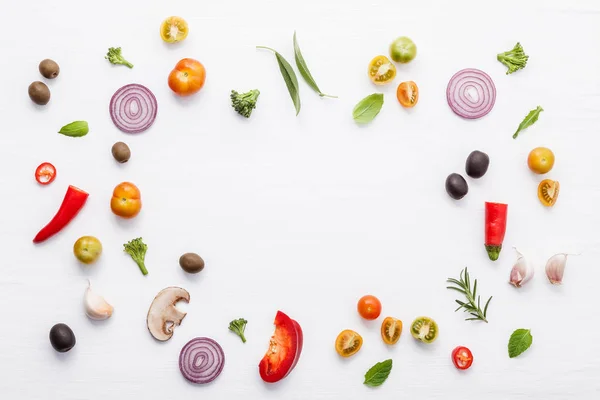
378, 373
368, 108
519, 341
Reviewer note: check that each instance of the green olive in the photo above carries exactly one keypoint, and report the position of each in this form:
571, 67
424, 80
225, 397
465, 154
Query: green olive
424, 329
49, 69
39, 93
403, 50
191, 263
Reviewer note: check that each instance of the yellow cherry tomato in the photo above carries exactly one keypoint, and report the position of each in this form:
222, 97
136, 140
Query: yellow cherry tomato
381, 70
348, 343
173, 29
548, 192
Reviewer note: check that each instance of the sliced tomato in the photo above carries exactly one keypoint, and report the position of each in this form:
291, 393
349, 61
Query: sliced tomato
348, 343
45, 173
284, 350
407, 94
391, 329
548, 192
381, 70
462, 357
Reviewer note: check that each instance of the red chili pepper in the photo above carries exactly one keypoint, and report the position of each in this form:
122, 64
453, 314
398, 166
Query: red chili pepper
72, 203
495, 228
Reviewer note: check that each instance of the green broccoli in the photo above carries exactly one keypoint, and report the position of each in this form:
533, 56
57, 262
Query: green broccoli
115, 57
515, 59
244, 103
137, 250
238, 326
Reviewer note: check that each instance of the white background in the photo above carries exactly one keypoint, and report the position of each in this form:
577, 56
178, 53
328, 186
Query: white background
304, 214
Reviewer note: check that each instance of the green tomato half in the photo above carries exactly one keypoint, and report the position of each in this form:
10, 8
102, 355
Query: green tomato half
403, 50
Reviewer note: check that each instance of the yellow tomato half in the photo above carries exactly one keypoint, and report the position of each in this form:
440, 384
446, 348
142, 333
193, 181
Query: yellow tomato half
173, 29
381, 70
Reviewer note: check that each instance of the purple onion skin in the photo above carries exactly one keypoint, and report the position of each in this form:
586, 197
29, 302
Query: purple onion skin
474, 80
123, 116
214, 356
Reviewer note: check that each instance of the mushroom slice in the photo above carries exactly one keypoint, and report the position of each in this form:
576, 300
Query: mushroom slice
163, 316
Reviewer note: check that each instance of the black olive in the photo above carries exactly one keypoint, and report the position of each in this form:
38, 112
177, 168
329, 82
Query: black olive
477, 164
456, 186
62, 338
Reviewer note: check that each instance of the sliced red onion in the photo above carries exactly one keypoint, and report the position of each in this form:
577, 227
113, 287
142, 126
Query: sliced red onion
471, 93
133, 108
201, 360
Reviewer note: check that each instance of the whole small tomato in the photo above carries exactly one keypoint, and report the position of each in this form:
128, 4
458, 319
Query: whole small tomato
126, 200
87, 249
540, 160
187, 77
369, 307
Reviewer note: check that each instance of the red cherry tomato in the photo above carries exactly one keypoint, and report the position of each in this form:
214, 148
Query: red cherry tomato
45, 173
462, 357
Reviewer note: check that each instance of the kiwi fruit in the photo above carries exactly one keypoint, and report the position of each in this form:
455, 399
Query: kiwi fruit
49, 69
39, 93
121, 152
191, 263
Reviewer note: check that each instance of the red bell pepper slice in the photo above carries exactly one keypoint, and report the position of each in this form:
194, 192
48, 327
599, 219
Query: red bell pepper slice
495, 228
73, 202
284, 349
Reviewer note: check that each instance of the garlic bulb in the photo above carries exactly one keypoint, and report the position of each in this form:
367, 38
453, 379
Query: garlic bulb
521, 272
96, 307
555, 268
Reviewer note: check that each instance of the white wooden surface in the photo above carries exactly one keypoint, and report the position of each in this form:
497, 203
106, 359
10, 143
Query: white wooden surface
303, 214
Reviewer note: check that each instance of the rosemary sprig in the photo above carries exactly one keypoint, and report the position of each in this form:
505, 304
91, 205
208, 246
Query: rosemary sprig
464, 286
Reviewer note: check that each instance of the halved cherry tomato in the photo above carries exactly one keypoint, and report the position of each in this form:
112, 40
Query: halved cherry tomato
381, 70
45, 173
348, 343
548, 192
369, 307
173, 29
126, 201
284, 349
462, 357
187, 77
408, 94
391, 329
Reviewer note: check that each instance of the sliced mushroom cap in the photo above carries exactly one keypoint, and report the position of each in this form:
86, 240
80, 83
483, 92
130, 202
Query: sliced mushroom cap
163, 316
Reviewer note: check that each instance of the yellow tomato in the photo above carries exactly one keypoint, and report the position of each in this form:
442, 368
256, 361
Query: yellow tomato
173, 29
548, 192
348, 343
381, 70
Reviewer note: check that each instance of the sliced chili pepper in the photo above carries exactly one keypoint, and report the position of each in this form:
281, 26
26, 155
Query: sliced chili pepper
495, 228
73, 202
45, 173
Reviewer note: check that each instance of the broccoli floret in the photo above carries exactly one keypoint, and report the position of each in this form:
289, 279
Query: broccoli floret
244, 103
137, 250
115, 57
238, 326
514, 59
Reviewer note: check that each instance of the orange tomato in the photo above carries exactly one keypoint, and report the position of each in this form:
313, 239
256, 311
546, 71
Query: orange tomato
173, 29
348, 343
391, 329
408, 94
187, 77
548, 192
540, 160
369, 307
126, 200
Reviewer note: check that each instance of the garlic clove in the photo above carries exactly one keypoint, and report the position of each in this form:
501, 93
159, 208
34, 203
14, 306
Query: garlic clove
555, 268
522, 271
96, 307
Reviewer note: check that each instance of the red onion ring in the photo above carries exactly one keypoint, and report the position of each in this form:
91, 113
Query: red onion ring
133, 108
201, 360
471, 93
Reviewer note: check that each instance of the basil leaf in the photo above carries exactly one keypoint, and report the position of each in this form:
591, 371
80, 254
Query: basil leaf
289, 76
378, 373
529, 120
75, 129
368, 108
303, 68
519, 341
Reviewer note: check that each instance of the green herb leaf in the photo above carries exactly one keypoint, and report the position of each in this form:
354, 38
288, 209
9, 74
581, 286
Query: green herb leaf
303, 68
368, 108
519, 341
473, 303
378, 373
529, 120
289, 76
75, 129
